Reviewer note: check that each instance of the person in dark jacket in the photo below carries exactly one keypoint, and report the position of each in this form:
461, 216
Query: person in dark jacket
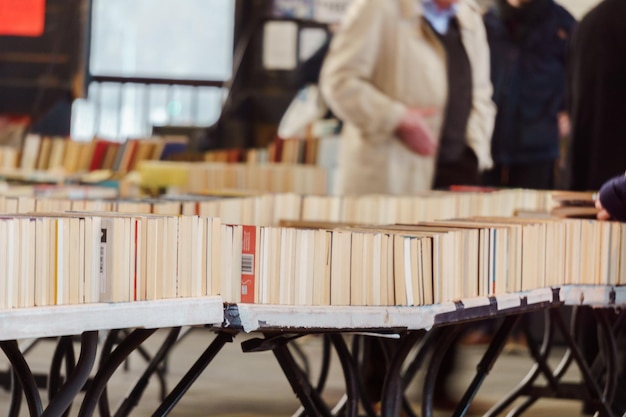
611, 200
598, 96
529, 40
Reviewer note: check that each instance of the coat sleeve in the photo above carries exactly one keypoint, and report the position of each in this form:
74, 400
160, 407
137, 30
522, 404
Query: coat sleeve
347, 71
482, 117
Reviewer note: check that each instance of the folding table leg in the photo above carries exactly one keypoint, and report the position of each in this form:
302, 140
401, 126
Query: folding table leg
192, 375
134, 396
24, 376
486, 363
308, 396
76, 380
119, 355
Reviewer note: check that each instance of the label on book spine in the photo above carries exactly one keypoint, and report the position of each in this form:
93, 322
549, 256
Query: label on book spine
102, 261
248, 256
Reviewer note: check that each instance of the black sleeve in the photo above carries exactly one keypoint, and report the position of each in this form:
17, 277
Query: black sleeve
309, 71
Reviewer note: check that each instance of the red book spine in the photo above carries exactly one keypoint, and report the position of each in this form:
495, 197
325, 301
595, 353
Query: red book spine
248, 261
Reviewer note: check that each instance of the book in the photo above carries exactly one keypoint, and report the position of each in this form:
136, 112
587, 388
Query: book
100, 149
110, 155
575, 212
322, 268
286, 274
57, 153
71, 159
574, 198
249, 264
30, 152
171, 149
574, 204
25, 294
85, 156
92, 241
144, 151
4, 263
45, 150
226, 266
9, 158
197, 241
340, 273
127, 155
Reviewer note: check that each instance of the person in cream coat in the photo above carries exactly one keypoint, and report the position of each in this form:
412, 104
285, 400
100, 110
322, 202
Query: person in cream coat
410, 80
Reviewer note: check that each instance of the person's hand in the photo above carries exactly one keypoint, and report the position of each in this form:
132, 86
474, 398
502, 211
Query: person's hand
602, 213
414, 132
565, 127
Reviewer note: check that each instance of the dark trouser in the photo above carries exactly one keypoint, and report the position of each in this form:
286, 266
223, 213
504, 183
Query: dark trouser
538, 175
462, 171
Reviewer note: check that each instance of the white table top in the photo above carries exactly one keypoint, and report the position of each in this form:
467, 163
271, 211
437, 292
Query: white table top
75, 319
593, 295
259, 317
25, 323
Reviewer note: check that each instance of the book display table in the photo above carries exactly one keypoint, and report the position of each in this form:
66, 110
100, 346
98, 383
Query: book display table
87, 320
412, 339
405, 327
420, 337
597, 321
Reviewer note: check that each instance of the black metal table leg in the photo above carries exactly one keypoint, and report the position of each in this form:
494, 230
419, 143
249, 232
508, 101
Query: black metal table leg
324, 370
16, 396
119, 355
590, 382
610, 353
358, 343
78, 377
348, 367
133, 397
538, 355
447, 338
194, 372
393, 387
308, 396
105, 352
24, 375
55, 380
486, 363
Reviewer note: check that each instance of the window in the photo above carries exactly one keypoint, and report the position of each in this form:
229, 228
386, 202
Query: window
178, 40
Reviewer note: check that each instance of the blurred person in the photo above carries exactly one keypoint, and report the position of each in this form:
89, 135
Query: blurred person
529, 40
410, 80
611, 205
597, 103
611, 199
597, 88
414, 95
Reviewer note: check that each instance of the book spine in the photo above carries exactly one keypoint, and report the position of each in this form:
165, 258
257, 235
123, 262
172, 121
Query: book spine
248, 262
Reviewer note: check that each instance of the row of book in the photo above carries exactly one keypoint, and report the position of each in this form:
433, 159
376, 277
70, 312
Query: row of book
373, 265
268, 209
42, 153
316, 151
424, 263
59, 154
89, 257
74, 258
309, 151
221, 178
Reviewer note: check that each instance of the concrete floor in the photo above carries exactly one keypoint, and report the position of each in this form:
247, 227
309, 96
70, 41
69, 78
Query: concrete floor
241, 384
